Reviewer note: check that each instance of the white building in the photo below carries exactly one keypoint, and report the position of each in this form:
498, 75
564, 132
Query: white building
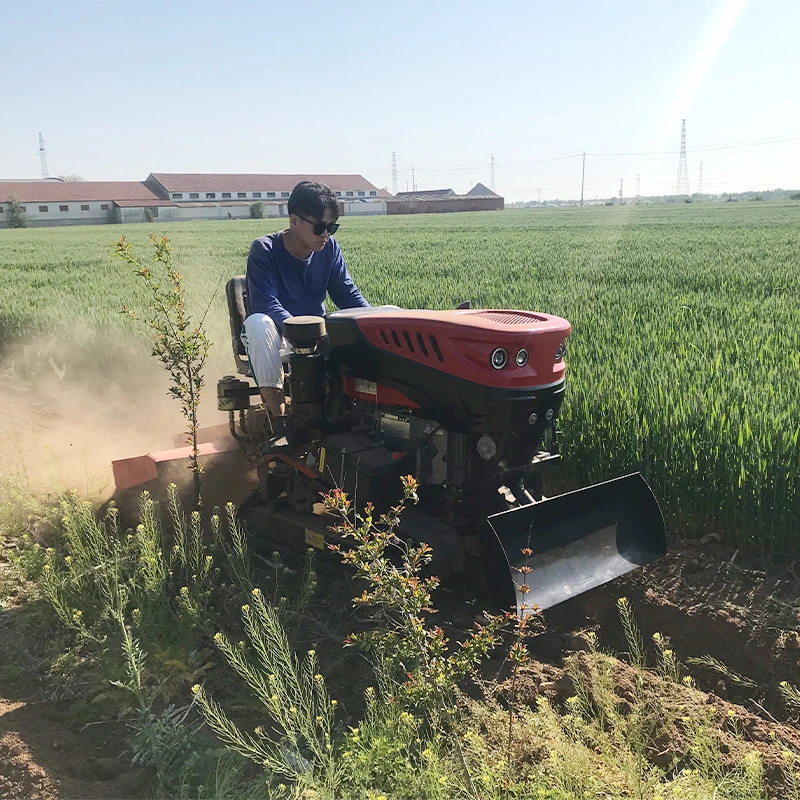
192, 192
55, 202
175, 196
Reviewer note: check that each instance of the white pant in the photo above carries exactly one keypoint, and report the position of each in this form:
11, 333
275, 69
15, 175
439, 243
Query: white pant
264, 346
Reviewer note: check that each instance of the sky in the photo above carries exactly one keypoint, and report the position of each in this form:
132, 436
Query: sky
122, 88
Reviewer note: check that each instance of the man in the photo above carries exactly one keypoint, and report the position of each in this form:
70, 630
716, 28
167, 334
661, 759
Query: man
288, 274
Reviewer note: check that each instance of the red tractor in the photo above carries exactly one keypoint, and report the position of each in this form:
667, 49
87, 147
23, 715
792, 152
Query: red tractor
466, 401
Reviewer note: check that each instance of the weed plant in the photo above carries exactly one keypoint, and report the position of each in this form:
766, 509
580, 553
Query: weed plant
124, 592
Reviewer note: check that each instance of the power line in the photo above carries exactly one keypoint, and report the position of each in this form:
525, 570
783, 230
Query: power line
647, 154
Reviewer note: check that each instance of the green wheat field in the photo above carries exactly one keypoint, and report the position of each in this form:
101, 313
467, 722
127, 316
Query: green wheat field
684, 362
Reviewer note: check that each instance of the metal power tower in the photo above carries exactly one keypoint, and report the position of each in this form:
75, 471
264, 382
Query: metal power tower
700, 187
43, 157
394, 172
682, 181
491, 173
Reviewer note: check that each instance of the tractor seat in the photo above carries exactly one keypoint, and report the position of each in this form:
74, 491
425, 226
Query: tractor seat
236, 292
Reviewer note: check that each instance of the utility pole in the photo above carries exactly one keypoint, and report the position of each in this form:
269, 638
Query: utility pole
413, 181
394, 172
700, 187
43, 157
620, 190
491, 173
583, 174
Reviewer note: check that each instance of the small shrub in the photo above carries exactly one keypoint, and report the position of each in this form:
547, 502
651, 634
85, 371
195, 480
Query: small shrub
178, 344
407, 648
257, 210
16, 213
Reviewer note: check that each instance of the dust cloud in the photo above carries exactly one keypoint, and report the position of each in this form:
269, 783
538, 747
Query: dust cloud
69, 405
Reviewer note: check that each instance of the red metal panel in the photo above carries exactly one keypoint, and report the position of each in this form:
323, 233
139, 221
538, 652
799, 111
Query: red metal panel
461, 342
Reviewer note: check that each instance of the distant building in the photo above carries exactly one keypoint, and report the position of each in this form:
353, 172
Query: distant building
440, 201
196, 194
50, 202
427, 193
479, 190
176, 196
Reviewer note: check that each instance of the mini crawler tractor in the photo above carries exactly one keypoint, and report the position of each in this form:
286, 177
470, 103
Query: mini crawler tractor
464, 400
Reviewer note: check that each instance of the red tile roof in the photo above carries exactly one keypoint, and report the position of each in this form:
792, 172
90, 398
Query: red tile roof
209, 182
77, 191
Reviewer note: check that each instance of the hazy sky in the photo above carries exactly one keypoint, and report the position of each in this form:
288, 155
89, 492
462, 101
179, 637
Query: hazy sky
120, 89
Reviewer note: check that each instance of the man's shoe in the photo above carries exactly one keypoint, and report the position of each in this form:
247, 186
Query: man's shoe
280, 441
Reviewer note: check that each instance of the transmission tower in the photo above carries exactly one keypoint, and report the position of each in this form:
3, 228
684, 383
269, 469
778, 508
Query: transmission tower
43, 157
700, 186
394, 172
583, 175
638, 181
682, 181
491, 173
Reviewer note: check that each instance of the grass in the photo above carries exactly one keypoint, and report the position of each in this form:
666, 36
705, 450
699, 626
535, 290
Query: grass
686, 328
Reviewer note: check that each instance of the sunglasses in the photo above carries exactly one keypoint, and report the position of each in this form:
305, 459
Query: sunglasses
320, 227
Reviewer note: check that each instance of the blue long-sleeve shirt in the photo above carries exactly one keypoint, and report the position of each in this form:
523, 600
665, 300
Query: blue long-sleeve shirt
282, 286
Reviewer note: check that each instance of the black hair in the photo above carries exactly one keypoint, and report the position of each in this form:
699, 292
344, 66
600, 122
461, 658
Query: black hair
310, 199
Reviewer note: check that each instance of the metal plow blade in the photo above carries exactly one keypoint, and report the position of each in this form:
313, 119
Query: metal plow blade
578, 540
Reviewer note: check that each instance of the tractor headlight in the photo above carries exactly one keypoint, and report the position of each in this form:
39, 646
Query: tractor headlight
522, 358
562, 349
499, 358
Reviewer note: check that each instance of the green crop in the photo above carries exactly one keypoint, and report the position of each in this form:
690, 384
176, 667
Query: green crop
684, 360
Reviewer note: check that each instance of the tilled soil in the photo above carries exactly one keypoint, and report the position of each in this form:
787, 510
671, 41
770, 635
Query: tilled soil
746, 616
45, 757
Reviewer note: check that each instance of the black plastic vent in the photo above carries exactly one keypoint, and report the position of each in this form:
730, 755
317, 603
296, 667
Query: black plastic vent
435, 346
406, 343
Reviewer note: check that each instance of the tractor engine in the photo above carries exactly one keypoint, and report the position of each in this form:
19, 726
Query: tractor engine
464, 400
